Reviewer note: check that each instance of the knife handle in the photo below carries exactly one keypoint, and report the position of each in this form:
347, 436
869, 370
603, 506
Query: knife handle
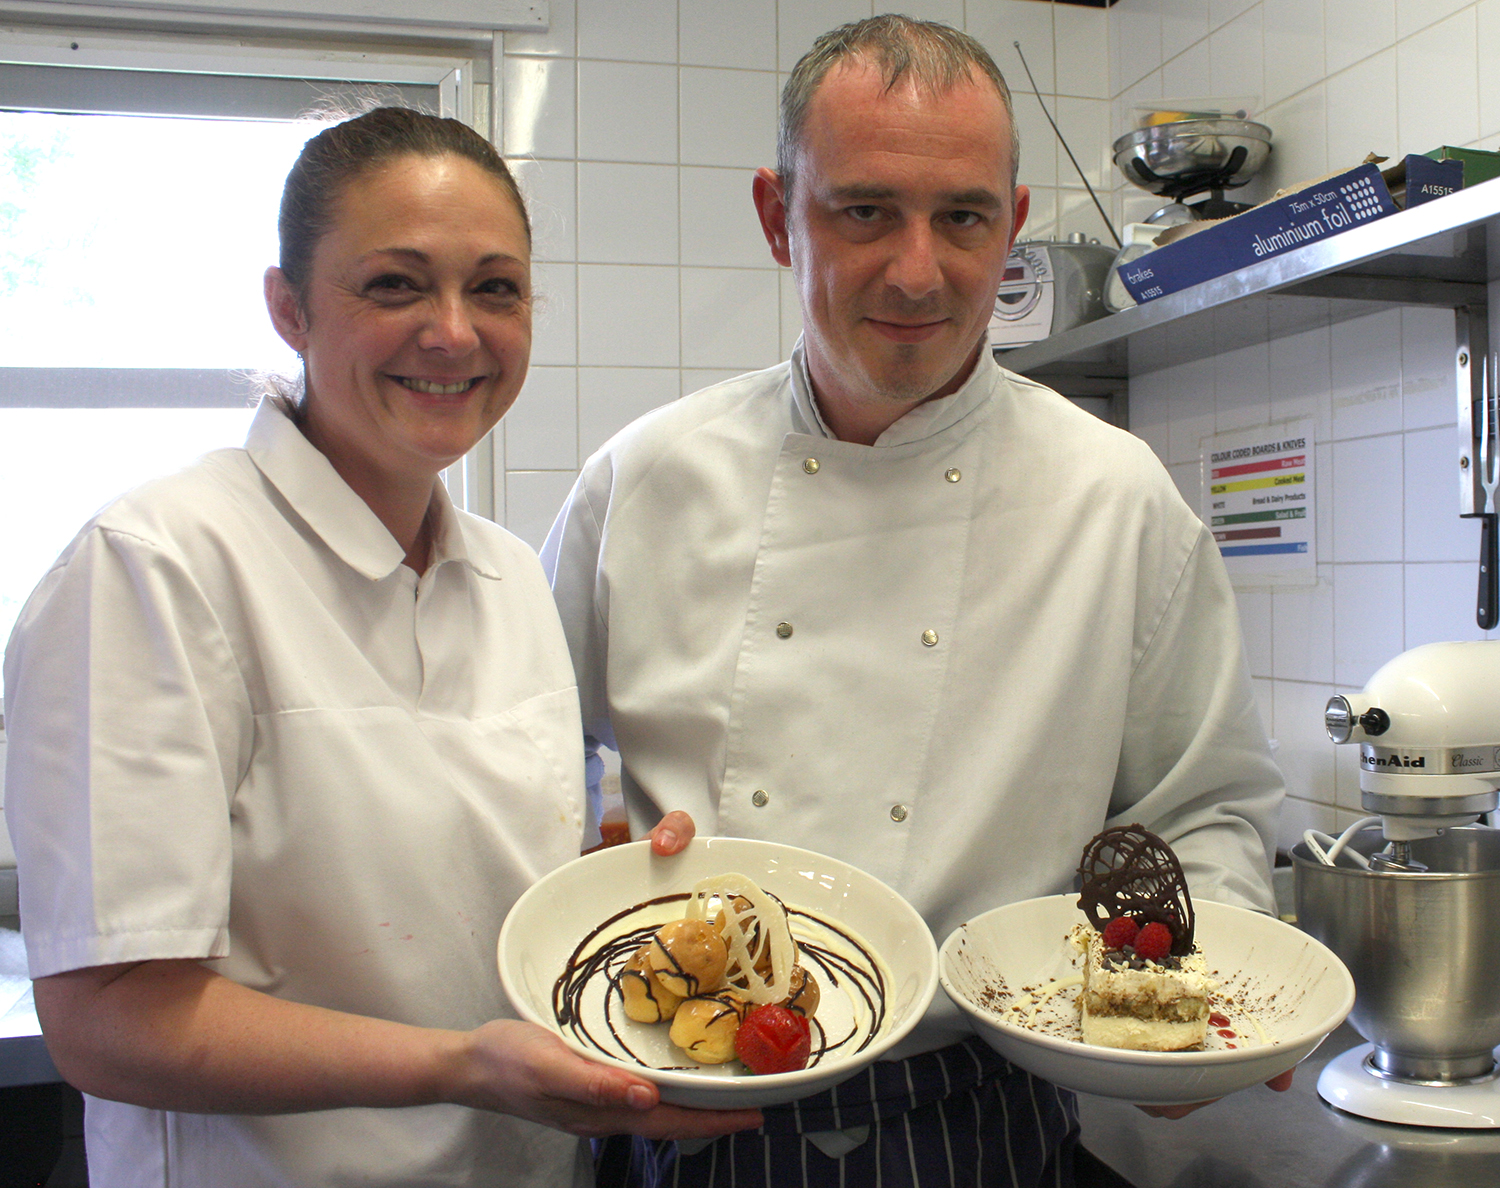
1489, 562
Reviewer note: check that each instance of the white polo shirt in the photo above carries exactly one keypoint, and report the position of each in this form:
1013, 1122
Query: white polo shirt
241, 728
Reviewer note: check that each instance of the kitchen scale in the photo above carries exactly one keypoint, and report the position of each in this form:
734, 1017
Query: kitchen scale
1180, 159
1409, 897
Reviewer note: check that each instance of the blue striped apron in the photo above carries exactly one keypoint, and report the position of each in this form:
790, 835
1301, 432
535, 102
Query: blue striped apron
959, 1117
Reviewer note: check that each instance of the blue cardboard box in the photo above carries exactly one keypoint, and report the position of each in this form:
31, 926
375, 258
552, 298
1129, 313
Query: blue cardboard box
1418, 179
1322, 210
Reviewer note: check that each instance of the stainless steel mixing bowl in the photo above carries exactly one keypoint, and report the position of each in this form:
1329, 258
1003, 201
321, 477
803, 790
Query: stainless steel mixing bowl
1187, 156
1423, 948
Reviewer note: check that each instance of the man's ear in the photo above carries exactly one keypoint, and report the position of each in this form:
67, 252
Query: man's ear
770, 205
286, 311
1020, 208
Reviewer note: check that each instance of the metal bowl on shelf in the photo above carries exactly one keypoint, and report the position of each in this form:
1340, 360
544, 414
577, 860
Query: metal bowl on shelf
1190, 156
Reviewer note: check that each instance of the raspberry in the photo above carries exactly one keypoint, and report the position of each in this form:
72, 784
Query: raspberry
772, 1040
1120, 932
1154, 942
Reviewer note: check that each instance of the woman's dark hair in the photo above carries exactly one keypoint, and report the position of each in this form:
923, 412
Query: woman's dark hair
340, 154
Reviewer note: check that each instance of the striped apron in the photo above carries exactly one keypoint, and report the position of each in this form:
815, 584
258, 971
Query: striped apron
959, 1117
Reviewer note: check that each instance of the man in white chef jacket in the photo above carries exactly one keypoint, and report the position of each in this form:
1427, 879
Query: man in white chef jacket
893, 603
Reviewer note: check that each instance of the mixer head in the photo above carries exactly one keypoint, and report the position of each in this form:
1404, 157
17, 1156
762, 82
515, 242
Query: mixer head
1428, 729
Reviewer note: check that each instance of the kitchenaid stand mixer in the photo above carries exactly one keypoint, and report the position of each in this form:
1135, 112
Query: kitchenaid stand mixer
1413, 907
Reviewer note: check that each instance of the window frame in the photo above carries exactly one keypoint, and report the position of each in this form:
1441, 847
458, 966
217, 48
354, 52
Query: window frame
460, 72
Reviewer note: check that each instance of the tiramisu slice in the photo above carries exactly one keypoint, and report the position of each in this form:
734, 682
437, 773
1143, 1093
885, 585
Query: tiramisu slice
1144, 984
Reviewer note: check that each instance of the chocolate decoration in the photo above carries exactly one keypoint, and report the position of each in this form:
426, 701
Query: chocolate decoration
1128, 871
593, 961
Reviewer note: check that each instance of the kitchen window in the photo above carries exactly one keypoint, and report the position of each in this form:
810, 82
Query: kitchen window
137, 215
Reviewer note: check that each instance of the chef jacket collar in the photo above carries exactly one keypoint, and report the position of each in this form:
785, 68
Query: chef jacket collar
330, 507
925, 420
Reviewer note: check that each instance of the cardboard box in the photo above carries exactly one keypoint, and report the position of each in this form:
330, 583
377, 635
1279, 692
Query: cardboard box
1414, 180
1479, 166
1321, 210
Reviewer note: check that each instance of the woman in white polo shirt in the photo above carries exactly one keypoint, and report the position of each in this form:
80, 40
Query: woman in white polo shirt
288, 734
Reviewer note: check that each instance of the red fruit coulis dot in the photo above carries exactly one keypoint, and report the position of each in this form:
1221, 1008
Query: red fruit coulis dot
1218, 1020
1227, 1034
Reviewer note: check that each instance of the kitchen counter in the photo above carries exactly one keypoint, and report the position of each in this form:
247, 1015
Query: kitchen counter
1263, 1139
23, 1054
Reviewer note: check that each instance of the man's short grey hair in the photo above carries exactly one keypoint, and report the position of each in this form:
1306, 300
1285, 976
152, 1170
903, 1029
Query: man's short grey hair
938, 57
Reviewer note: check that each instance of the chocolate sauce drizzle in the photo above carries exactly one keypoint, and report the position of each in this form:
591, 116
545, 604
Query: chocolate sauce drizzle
689, 980
1128, 871
592, 960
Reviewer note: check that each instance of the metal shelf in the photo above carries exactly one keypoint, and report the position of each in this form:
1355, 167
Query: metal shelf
1434, 254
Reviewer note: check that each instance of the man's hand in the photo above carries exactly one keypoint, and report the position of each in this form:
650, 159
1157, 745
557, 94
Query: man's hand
1281, 1082
672, 834
517, 1068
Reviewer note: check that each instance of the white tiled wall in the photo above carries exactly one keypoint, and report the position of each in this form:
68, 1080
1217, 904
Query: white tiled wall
635, 130
1397, 566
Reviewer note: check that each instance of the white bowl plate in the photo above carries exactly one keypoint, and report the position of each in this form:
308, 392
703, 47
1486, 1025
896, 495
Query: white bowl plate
1280, 990
579, 909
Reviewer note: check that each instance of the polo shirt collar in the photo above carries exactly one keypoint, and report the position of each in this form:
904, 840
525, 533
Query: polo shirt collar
925, 420
317, 493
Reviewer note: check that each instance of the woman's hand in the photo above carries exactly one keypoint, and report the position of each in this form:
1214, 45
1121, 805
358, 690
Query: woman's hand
672, 834
173, 1035
518, 1068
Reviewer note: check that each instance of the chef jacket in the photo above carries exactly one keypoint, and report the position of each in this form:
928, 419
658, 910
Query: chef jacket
950, 658
242, 730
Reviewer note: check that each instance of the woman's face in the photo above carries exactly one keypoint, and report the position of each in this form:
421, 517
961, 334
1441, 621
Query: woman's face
416, 327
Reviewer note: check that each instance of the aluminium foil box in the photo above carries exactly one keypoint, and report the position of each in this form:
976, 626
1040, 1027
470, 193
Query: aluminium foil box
1284, 224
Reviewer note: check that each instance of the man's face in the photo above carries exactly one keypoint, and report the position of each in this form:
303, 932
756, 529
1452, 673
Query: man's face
897, 230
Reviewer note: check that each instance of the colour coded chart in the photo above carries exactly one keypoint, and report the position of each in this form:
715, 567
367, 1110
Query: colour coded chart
1258, 502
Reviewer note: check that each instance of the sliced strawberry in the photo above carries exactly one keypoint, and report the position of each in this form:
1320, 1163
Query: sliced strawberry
773, 1039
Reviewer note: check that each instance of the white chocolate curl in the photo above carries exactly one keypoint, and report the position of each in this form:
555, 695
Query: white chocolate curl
740, 924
